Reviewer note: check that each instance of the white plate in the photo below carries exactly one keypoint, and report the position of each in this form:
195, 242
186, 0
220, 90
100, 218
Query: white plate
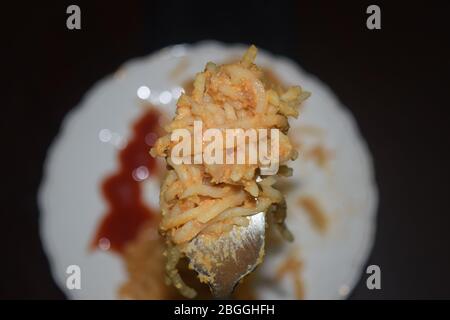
71, 204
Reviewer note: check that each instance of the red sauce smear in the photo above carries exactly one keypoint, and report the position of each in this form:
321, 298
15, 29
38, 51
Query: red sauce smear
122, 191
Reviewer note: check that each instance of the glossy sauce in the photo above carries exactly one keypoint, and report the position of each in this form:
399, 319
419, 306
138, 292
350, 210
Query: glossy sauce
127, 211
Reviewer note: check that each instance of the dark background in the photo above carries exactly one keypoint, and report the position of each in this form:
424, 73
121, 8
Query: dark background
394, 80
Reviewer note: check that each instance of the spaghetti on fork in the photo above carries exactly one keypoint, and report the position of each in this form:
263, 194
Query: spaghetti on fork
209, 199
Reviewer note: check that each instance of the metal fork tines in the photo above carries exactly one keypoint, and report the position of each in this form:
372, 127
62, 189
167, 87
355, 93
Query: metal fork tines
222, 262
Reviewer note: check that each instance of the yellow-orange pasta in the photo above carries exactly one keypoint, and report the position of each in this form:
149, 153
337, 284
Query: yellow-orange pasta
203, 198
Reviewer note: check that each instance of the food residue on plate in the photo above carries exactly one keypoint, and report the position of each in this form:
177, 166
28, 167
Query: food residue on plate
317, 153
292, 266
309, 140
179, 68
315, 212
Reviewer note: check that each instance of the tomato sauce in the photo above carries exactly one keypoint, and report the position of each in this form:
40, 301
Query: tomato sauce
127, 211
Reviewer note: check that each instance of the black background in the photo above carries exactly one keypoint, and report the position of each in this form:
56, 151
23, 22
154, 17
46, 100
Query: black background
394, 80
